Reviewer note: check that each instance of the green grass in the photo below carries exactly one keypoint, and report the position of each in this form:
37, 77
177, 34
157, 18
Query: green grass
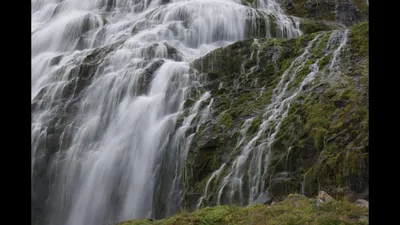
294, 210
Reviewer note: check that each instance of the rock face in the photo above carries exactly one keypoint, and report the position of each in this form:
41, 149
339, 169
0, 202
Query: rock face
362, 203
347, 12
322, 141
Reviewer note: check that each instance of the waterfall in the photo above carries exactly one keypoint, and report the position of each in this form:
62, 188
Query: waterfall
109, 82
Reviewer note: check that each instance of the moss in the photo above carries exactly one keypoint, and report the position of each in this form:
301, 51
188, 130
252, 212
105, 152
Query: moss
255, 124
326, 125
300, 76
358, 39
226, 119
336, 131
295, 210
299, 10
318, 51
248, 2
324, 61
362, 6
272, 26
323, 10
188, 103
199, 188
308, 26
318, 115
319, 137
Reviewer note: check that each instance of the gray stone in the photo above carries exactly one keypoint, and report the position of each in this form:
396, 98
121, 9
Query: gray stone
264, 198
362, 203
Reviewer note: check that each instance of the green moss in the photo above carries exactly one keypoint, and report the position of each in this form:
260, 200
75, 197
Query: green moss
319, 137
272, 26
294, 210
326, 125
362, 6
299, 10
255, 124
330, 15
318, 115
300, 76
226, 119
308, 26
359, 39
318, 51
336, 131
324, 61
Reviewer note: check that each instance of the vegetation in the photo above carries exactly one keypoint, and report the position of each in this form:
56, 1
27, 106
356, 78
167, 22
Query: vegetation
295, 209
329, 10
327, 124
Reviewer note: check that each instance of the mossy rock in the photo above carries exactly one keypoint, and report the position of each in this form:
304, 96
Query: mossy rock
342, 11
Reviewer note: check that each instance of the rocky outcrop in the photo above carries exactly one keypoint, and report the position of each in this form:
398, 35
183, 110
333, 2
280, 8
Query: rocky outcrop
347, 12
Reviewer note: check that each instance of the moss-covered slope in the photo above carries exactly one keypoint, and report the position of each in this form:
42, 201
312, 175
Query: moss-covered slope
322, 141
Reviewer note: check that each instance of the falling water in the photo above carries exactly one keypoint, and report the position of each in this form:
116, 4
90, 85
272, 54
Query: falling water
213, 175
108, 82
256, 152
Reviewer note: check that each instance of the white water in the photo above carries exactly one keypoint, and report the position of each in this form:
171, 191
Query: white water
213, 175
97, 153
257, 155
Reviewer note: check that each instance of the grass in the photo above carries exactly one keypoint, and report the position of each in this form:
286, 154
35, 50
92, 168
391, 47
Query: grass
295, 209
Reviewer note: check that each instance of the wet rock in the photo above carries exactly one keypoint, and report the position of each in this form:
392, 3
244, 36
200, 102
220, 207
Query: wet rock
164, 2
54, 61
148, 75
192, 199
188, 103
362, 203
290, 4
345, 12
348, 13
264, 198
339, 103
80, 45
110, 5
310, 153
211, 144
173, 53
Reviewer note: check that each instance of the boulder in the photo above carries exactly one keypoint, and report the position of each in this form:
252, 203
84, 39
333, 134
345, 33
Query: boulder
362, 203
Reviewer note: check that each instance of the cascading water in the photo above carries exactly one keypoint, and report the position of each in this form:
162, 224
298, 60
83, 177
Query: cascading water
109, 78
249, 170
